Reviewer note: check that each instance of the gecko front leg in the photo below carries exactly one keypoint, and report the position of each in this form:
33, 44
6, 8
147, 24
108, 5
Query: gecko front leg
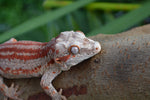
11, 92
46, 83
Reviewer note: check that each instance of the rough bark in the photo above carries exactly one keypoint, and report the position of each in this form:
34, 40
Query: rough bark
121, 71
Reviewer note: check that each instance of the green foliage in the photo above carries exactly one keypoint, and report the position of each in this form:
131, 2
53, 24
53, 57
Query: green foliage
124, 22
93, 17
43, 19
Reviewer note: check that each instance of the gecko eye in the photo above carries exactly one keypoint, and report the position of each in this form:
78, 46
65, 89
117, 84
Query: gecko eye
74, 49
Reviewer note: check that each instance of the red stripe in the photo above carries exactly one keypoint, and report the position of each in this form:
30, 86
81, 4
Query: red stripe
46, 87
21, 71
19, 50
22, 49
24, 71
50, 62
39, 53
25, 43
25, 57
64, 58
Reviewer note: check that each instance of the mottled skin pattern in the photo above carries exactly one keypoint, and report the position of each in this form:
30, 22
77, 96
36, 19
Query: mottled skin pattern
25, 59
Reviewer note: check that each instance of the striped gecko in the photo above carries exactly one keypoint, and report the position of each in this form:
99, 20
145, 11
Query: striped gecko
26, 59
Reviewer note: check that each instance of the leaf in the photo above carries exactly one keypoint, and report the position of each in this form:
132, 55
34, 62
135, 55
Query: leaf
93, 20
43, 19
124, 22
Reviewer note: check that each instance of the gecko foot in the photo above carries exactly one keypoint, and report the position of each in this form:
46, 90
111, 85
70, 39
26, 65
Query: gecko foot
12, 92
62, 97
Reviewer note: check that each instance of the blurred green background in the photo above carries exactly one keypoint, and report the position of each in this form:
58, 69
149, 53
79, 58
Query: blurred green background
41, 20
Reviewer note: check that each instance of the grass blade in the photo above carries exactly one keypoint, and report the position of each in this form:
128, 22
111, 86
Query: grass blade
43, 19
125, 21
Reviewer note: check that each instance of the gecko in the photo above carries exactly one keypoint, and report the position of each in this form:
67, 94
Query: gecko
27, 59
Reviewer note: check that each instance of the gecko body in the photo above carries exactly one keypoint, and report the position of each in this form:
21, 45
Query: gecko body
26, 59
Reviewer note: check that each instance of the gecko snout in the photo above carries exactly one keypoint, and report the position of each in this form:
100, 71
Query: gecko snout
97, 47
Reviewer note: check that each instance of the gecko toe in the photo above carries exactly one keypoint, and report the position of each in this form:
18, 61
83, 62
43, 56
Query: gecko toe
62, 97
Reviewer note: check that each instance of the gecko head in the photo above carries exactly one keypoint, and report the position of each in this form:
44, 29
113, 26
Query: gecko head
73, 47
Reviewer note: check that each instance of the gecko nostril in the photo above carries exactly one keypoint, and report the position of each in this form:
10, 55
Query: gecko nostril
96, 48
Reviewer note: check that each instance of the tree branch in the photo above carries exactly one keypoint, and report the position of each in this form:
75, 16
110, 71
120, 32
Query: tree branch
121, 71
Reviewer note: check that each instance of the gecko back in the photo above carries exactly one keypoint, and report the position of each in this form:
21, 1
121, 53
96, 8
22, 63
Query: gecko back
21, 58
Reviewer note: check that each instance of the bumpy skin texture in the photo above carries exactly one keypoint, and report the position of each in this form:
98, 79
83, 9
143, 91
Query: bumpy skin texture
25, 59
